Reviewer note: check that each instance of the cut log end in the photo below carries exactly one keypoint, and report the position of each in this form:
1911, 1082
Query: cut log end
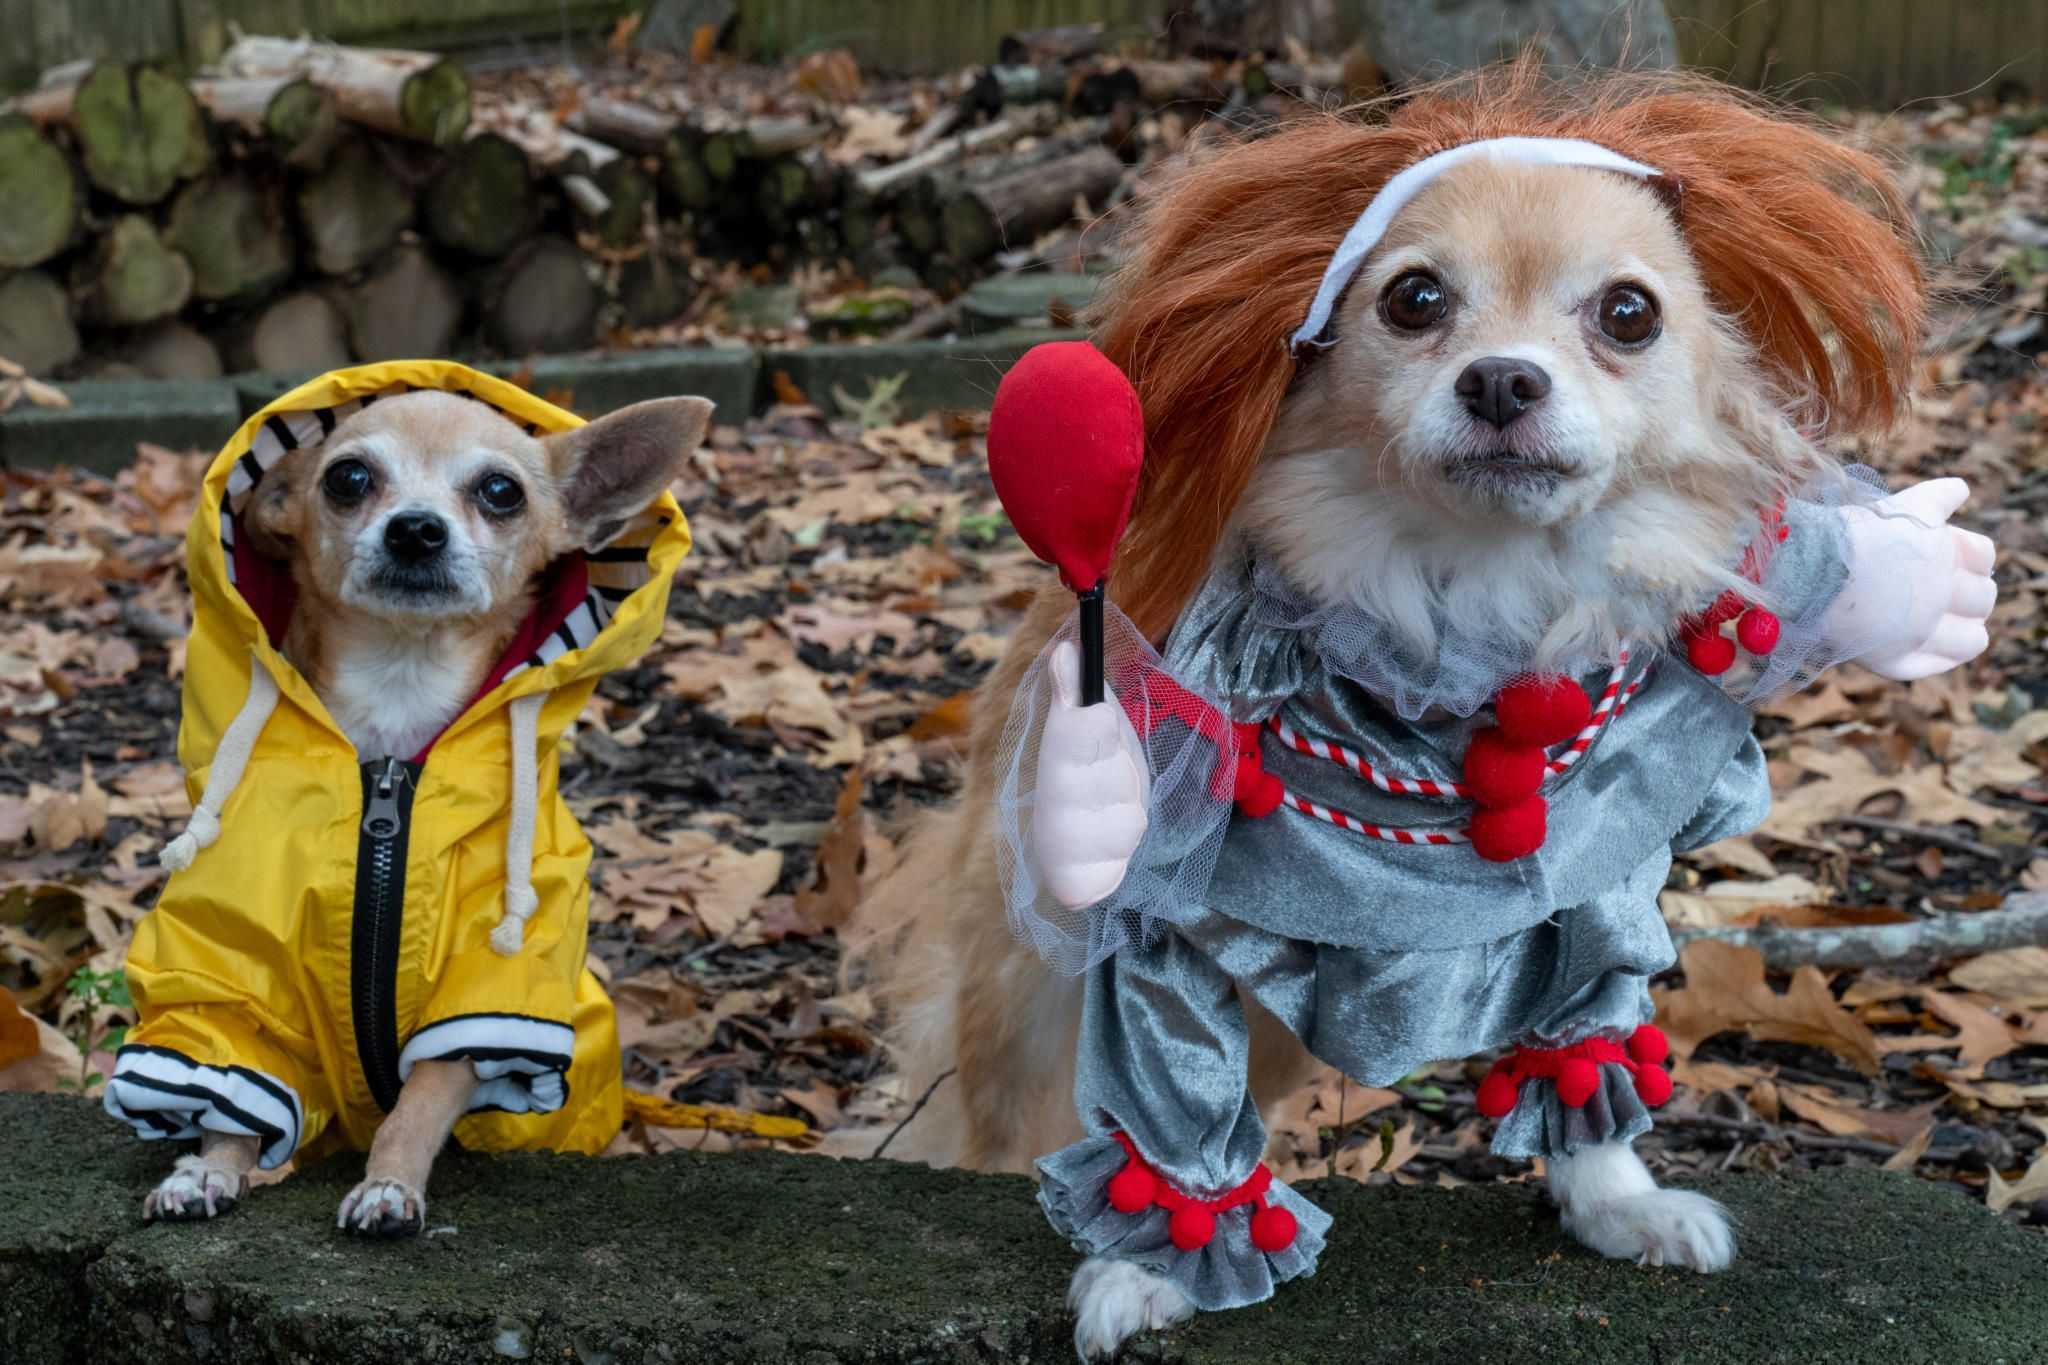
36, 331
406, 307
433, 105
482, 201
234, 233
544, 300
134, 277
140, 132
352, 211
39, 195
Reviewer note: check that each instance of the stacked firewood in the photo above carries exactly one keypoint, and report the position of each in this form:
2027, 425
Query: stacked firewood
304, 205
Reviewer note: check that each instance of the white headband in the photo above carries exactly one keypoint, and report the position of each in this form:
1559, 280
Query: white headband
1395, 195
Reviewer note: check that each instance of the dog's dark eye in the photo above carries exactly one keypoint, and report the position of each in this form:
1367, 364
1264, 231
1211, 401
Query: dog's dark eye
347, 482
1628, 316
1415, 301
501, 496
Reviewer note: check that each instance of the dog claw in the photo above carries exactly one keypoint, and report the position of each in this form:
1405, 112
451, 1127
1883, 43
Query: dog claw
193, 1192
383, 1209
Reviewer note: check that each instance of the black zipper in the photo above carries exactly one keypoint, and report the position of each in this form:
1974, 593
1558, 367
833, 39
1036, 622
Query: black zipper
379, 915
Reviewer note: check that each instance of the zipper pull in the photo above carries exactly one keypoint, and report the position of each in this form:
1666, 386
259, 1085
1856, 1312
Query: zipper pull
380, 815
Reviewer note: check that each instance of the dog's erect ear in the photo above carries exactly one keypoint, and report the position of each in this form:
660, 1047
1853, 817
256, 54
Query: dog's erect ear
271, 516
611, 468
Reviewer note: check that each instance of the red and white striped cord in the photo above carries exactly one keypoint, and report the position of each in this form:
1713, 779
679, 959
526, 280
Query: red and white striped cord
1613, 700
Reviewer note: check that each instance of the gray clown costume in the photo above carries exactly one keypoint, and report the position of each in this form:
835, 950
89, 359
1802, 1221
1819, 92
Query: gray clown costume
1306, 847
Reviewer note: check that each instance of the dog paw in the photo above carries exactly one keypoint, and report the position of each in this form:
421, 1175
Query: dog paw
1114, 1300
383, 1208
1661, 1227
194, 1190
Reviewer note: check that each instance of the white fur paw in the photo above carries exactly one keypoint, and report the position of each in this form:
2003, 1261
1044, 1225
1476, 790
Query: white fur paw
1114, 1300
383, 1208
1661, 1227
195, 1189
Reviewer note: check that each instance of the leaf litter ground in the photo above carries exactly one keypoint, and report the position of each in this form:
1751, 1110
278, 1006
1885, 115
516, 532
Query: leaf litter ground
808, 695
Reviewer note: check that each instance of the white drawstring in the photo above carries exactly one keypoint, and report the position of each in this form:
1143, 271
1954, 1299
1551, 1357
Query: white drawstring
230, 758
520, 900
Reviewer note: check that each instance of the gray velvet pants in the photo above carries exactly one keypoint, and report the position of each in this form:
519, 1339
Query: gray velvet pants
1164, 1048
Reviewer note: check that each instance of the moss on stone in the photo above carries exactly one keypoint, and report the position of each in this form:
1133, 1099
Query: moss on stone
768, 1257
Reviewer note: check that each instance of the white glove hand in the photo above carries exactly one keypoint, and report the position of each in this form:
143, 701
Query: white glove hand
1919, 590
1093, 787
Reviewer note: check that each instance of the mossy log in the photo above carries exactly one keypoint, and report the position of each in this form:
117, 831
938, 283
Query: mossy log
654, 289
294, 115
39, 195
172, 350
133, 277
36, 331
482, 201
543, 299
416, 95
352, 210
629, 192
139, 131
406, 307
982, 217
233, 230
304, 330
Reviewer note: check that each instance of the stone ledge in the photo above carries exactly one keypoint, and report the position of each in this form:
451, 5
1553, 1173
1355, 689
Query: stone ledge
767, 1257
106, 419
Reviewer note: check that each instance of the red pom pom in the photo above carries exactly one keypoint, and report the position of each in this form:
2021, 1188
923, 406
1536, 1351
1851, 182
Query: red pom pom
1726, 608
1503, 834
1710, 654
1500, 773
1191, 1227
1653, 1085
1757, 631
1259, 793
1498, 1093
1542, 711
1577, 1079
1273, 1230
1131, 1189
1648, 1045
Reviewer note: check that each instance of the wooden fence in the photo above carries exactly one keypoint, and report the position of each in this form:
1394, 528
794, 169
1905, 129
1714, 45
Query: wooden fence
1877, 53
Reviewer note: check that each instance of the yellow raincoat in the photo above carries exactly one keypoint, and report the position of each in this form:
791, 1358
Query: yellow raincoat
337, 919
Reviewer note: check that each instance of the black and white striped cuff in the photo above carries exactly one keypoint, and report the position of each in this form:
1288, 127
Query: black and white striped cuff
165, 1094
521, 1062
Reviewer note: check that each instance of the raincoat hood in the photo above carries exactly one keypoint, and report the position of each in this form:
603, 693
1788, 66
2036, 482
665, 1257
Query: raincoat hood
592, 615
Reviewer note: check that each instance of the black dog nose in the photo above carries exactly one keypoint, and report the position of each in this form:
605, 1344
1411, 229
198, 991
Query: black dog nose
415, 537
1498, 389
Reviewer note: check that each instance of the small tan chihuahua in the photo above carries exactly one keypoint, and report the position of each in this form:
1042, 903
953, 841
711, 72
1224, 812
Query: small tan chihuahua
434, 548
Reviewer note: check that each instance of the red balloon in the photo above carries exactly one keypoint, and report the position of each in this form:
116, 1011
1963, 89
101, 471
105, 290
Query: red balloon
1066, 439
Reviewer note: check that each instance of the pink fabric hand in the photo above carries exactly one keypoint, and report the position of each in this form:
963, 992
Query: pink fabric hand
1919, 590
1093, 787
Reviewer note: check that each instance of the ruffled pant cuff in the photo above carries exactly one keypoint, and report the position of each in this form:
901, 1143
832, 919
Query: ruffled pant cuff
1229, 1272
1543, 1125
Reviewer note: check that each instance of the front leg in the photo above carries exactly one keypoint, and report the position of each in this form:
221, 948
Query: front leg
206, 1185
391, 1201
1610, 1202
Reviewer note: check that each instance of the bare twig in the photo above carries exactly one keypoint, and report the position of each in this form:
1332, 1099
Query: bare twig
915, 1110
2022, 922
1924, 833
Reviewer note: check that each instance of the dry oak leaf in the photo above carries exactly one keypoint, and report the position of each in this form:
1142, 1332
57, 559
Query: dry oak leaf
19, 1038
2018, 976
2000, 1196
1725, 991
1847, 779
793, 703
829, 901
61, 819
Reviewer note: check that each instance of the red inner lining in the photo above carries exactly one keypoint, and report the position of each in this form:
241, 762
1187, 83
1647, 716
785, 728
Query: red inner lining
273, 596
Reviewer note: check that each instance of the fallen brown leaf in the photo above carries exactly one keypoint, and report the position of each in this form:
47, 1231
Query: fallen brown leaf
1725, 991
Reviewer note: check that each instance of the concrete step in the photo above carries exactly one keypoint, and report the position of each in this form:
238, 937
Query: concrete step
688, 1259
